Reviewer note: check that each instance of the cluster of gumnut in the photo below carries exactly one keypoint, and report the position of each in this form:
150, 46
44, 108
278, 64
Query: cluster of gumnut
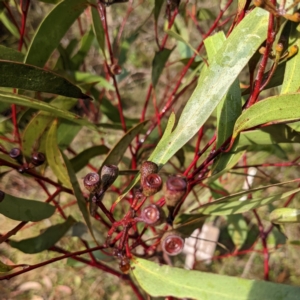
172, 242
37, 159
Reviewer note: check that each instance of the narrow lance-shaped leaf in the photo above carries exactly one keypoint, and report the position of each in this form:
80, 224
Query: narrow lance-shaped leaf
52, 29
39, 123
81, 202
45, 240
39, 105
27, 77
292, 75
54, 157
161, 281
215, 81
82, 159
157, 8
25, 210
279, 109
98, 28
10, 54
158, 64
237, 206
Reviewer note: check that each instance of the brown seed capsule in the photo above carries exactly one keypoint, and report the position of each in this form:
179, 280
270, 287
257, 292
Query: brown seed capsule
172, 243
2, 195
124, 265
92, 182
153, 215
16, 154
147, 168
152, 184
37, 158
176, 187
109, 174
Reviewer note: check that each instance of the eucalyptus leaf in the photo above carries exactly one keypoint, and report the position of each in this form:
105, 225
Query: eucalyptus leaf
162, 281
45, 240
25, 210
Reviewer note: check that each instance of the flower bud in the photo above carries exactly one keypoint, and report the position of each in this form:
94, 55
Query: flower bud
16, 154
172, 243
109, 174
2, 196
152, 184
147, 168
176, 187
153, 215
285, 215
37, 158
115, 69
92, 182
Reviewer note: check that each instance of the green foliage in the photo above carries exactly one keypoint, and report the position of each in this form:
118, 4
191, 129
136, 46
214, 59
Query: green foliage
107, 85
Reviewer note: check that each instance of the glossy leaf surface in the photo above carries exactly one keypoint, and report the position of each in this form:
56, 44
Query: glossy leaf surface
27, 77
214, 82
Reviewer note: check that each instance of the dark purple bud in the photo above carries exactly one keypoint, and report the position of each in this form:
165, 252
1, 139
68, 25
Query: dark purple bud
109, 174
16, 154
37, 158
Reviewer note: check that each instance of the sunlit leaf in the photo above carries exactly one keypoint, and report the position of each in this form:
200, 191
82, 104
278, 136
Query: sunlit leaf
54, 157
282, 108
214, 82
161, 281
237, 229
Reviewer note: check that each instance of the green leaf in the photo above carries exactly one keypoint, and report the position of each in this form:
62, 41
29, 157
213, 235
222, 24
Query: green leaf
54, 157
27, 77
82, 204
82, 159
25, 210
98, 28
116, 153
180, 38
45, 240
85, 45
39, 123
66, 132
52, 29
285, 215
229, 108
291, 75
10, 54
158, 64
7, 268
92, 78
157, 8
161, 280
228, 205
237, 229
39, 105
282, 108
215, 81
